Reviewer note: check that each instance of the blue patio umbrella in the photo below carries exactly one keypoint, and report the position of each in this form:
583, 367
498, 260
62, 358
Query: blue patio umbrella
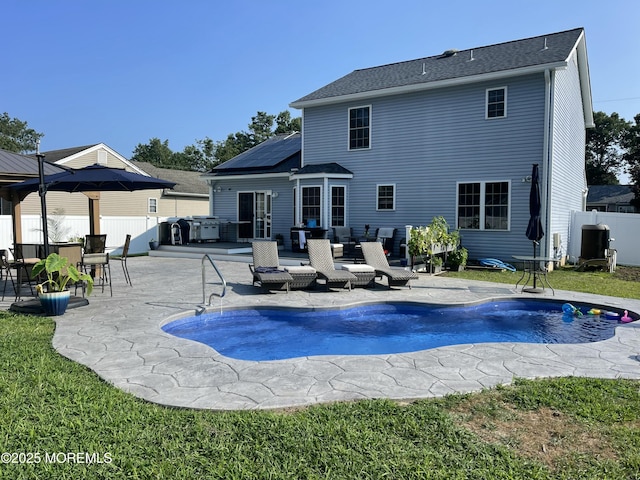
534, 228
94, 178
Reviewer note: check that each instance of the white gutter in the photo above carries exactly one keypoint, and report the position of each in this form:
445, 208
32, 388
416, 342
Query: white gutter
170, 193
307, 176
429, 86
252, 176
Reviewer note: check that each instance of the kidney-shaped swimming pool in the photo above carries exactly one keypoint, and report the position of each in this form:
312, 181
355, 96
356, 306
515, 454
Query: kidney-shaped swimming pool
385, 328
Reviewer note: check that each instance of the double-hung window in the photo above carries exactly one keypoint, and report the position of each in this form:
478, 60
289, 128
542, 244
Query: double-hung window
386, 197
483, 206
153, 205
311, 201
359, 127
497, 102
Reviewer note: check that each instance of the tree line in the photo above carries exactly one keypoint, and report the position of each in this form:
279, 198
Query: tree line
612, 147
202, 156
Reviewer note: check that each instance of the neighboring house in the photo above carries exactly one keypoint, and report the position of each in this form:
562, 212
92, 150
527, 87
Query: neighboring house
15, 167
454, 134
610, 198
189, 197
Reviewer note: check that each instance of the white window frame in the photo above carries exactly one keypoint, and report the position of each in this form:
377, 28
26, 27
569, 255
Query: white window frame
378, 197
344, 215
486, 103
303, 187
368, 147
152, 205
483, 198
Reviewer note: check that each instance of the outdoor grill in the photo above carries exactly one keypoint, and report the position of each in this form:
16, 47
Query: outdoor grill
204, 229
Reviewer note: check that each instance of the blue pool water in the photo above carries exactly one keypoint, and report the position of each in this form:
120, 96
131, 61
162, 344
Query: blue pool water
272, 334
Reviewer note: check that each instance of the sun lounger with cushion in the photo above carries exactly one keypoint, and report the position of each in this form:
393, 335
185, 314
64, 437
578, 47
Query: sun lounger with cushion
266, 267
374, 256
321, 259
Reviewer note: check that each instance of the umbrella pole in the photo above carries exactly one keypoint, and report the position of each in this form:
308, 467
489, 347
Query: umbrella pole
42, 191
535, 266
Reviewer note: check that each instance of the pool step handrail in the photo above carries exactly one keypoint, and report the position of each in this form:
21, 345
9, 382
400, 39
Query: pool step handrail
223, 281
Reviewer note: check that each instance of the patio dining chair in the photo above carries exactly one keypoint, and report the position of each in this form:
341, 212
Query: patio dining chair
266, 267
321, 259
96, 261
5, 272
374, 255
123, 259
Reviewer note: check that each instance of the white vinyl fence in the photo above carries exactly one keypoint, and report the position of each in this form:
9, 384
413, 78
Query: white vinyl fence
68, 227
624, 229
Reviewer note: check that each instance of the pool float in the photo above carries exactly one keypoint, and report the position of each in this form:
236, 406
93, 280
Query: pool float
571, 310
612, 315
494, 262
594, 311
626, 318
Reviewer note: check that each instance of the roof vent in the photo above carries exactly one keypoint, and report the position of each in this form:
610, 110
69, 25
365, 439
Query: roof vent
449, 53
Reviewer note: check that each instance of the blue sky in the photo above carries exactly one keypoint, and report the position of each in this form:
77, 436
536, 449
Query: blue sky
124, 71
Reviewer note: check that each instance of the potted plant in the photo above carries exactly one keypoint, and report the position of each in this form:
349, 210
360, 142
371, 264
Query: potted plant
436, 264
53, 293
458, 258
154, 244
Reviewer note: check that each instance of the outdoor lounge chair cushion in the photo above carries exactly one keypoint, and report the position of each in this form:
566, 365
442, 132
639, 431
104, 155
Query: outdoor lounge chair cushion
321, 259
265, 267
374, 256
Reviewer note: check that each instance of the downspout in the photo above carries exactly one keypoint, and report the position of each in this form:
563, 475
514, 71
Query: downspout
546, 159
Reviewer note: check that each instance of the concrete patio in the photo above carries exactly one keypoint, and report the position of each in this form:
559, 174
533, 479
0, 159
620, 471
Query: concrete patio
120, 339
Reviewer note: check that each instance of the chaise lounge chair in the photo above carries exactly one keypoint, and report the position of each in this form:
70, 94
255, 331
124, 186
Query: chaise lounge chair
266, 267
321, 259
374, 256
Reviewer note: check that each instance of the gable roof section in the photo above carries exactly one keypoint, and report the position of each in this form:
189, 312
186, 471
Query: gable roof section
187, 182
66, 155
276, 155
455, 67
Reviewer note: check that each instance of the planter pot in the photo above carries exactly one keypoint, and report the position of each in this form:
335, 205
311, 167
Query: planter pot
55, 303
154, 245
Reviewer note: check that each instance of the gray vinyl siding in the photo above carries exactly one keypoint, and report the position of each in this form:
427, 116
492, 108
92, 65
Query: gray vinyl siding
225, 203
568, 147
426, 142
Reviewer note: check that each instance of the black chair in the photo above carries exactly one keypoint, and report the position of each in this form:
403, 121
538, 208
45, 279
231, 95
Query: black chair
344, 235
5, 271
123, 259
25, 256
95, 261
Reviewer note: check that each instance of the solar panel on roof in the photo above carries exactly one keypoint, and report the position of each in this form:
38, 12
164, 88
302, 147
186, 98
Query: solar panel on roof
268, 154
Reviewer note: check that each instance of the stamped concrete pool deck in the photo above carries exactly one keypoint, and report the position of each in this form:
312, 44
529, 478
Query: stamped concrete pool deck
120, 338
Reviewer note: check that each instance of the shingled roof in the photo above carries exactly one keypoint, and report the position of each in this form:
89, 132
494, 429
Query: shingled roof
186, 181
530, 54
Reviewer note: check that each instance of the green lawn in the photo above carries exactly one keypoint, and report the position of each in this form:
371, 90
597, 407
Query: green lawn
50, 407
623, 283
